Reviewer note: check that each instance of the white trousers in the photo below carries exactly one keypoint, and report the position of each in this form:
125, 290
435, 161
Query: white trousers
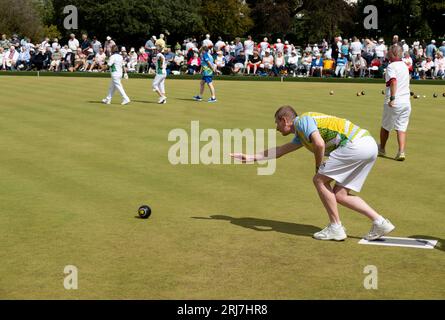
116, 85
159, 83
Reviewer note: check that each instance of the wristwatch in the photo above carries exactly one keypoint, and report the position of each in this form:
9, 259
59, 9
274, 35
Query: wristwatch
392, 98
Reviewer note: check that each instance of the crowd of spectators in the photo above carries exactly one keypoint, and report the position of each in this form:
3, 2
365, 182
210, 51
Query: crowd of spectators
341, 58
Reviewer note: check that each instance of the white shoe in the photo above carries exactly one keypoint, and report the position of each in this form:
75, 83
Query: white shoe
331, 233
162, 100
106, 101
379, 230
125, 102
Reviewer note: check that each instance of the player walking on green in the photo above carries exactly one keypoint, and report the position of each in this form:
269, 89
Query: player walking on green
351, 152
116, 65
397, 106
208, 67
161, 73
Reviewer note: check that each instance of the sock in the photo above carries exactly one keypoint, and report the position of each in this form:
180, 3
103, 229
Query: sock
379, 220
336, 225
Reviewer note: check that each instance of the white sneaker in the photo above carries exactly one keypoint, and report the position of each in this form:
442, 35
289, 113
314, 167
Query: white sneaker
125, 102
162, 100
379, 230
331, 233
106, 101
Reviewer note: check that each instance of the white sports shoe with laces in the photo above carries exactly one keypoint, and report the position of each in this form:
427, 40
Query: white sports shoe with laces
331, 233
379, 230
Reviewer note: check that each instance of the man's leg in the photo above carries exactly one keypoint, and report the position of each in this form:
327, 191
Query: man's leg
201, 89
384, 134
111, 90
327, 196
212, 89
354, 202
120, 88
401, 139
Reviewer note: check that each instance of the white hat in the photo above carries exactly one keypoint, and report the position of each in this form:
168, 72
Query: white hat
278, 40
286, 42
90, 50
132, 50
268, 50
108, 38
433, 41
219, 52
123, 49
69, 51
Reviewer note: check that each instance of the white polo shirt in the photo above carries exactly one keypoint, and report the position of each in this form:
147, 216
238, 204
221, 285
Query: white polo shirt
399, 71
115, 63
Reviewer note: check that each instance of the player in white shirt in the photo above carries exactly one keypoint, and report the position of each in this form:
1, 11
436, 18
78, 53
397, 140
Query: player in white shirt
161, 73
397, 106
116, 65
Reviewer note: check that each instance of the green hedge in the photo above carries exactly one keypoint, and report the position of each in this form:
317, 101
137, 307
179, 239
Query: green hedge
221, 77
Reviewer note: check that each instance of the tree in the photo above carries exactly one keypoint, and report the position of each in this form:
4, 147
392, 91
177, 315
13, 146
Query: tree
132, 21
227, 18
21, 17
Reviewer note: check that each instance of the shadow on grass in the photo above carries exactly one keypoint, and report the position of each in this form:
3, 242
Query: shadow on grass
440, 242
142, 101
98, 102
389, 158
184, 99
267, 225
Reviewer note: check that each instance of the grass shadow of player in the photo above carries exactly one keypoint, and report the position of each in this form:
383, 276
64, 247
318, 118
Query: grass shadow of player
97, 102
142, 101
440, 242
267, 225
186, 99
387, 158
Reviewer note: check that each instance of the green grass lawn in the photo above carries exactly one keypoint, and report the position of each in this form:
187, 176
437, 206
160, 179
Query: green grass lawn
74, 172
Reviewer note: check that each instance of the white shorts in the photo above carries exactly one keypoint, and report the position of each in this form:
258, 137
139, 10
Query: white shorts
396, 118
158, 82
350, 165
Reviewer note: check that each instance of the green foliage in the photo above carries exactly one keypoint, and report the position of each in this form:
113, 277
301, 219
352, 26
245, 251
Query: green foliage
21, 17
51, 32
228, 18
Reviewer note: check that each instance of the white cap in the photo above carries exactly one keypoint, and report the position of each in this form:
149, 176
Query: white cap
286, 42
278, 40
433, 41
108, 38
123, 49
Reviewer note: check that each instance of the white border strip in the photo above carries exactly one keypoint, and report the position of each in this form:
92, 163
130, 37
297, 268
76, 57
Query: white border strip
430, 243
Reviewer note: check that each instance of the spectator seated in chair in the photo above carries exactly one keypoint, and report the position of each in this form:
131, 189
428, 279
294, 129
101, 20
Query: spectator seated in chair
194, 64
253, 63
239, 63
279, 67
267, 62
328, 66
292, 63
317, 65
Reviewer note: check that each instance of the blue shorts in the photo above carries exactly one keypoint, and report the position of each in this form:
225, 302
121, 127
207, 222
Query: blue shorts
207, 79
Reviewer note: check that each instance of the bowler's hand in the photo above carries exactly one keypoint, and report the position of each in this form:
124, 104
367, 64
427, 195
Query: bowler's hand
391, 104
243, 157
